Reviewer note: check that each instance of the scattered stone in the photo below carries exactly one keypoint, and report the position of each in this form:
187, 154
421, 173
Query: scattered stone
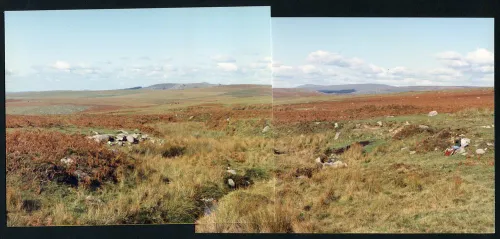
480, 151
101, 138
336, 125
318, 160
486, 127
131, 139
67, 161
337, 136
379, 123
317, 123
478, 97
266, 129
191, 117
231, 171
464, 142
278, 151
337, 164
407, 123
403, 149
230, 182
413, 152
390, 116
490, 144
302, 177
433, 113
423, 126
121, 137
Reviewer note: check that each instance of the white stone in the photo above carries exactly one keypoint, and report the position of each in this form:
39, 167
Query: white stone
433, 113
231, 182
337, 136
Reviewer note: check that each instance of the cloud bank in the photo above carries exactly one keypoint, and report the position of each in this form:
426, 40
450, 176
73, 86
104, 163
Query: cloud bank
475, 68
144, 71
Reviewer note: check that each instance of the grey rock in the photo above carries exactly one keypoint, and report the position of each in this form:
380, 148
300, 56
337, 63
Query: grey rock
337, 136
266, 129
480, 151
131, 139
67, 161
231, 183
433, 113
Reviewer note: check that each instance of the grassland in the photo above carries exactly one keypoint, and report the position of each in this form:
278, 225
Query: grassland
195, 137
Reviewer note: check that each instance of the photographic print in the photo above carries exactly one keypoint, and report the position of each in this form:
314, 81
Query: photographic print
138, 116
384, 125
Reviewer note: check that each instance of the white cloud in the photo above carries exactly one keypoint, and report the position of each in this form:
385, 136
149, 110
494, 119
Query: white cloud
226, 66
326, 67
307, 69
61, 65
480, 56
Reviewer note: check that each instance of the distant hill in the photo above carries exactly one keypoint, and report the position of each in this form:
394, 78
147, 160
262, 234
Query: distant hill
373, 88
176, 86
134, 88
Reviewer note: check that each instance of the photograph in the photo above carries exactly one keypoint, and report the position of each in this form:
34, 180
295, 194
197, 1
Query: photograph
139, 116
384, 125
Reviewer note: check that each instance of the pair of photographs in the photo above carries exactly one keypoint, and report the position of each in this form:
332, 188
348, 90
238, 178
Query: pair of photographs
237, 122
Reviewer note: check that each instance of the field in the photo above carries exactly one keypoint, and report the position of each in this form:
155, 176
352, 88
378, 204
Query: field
396, 178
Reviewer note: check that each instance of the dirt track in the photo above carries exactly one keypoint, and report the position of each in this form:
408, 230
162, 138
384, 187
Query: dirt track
384, 105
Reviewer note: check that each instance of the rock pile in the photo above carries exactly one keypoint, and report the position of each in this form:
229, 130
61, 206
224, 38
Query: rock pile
121, 138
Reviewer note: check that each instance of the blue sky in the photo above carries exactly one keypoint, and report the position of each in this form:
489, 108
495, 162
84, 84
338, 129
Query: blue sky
395, 51
110, 49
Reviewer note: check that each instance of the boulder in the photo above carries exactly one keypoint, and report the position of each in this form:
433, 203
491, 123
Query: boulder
337, 136
121, 137
337, 164
433, 113
464, 142
480, 151
231, 183
266, 129
67, 161
101, 138
131, 139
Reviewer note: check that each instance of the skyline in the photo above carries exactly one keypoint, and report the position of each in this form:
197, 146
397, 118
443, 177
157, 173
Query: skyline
240, 45
113, 49
393, 51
